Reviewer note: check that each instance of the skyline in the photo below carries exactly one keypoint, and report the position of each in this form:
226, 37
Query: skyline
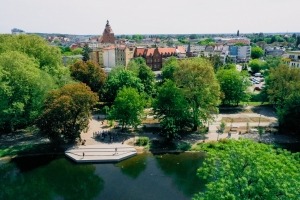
132, 17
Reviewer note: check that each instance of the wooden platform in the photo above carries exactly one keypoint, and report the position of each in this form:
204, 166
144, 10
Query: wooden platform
100, 153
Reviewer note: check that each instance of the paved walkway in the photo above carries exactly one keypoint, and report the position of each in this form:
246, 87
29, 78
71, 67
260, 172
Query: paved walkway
100, 153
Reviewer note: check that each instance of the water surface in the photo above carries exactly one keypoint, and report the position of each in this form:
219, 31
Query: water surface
145, 176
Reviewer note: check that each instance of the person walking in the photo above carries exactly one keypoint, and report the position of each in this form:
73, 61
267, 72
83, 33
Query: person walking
116, 150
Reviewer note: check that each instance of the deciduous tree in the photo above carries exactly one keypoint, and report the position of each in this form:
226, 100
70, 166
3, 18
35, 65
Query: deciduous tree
172, 110
23, 86
118, 80
89, 73
128, 107
197, 80
66, 112
256, 52
245, 169
233, 86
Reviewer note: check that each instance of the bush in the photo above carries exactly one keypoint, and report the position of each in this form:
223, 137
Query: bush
142, 141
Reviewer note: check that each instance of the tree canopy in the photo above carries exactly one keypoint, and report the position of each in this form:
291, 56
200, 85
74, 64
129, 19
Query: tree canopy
256, 65
256, 52
23, 87
282, 88
118, 80
233, 86
144, 73
89, 73
169, 67
128, 107
197, 80
47, 57
66, 112
246, 169
172, 110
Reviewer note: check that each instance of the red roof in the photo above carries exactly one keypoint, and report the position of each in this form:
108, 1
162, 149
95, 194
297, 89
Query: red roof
167, 50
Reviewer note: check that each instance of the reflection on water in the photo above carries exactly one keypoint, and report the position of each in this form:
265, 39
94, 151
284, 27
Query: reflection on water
144, 176
60, 179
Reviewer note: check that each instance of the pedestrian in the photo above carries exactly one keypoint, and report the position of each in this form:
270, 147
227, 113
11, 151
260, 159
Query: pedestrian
82, 154
116, 149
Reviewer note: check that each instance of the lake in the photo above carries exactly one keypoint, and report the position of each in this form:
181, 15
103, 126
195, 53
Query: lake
145, 176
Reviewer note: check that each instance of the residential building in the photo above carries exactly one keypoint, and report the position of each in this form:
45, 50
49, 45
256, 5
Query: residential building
123, 54
293, 58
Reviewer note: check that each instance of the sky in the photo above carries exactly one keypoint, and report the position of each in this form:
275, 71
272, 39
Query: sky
150, 17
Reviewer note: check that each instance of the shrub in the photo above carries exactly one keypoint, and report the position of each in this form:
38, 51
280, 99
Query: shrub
142, 141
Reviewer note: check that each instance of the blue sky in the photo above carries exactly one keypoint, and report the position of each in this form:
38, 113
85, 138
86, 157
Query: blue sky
153, 17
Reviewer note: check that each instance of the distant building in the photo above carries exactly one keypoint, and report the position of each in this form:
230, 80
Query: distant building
154, 56
16, 31
293, 58
274, 51
108, 36
240, 53
124, 54
109, 57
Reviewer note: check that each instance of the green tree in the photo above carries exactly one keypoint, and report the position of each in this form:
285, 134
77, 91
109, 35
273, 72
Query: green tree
66, 112
216, 62
48, 57
23, 87
282, 82
86, 53
143, 72
118, 80
256, 52
256, 65
172, 110
197, 80
169, 67
128, 107
246, 169
298, 41
89, 73
221, 129
289, 114
234, 86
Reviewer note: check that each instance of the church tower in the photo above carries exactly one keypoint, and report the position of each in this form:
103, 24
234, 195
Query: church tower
108, 36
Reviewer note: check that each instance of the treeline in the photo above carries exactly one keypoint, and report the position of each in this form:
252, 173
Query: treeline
35, 88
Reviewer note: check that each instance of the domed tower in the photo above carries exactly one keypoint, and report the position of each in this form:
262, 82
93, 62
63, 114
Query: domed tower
108, 36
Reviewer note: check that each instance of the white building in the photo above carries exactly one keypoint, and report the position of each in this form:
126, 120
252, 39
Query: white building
293, 58
244, 53
109, 57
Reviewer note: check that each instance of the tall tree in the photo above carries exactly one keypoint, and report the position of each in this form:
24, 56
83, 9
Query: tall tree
23, 87
138, 66
197, 80
256, 52
89, 73
282, 82
234, 86
172, 110
169, 67
118, 80
128, 107
243, 169
48, 57
66, 112
298, 41
86, 53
